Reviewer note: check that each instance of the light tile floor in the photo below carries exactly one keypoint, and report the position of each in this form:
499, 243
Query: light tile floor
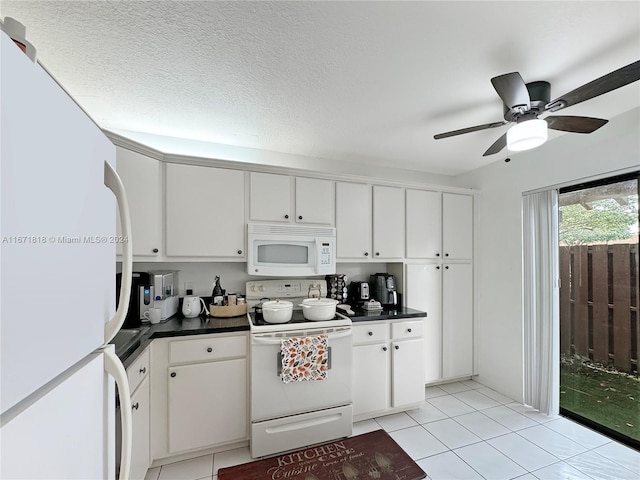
465, 430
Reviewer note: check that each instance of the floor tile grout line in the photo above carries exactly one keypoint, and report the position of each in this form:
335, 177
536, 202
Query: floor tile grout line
592, 451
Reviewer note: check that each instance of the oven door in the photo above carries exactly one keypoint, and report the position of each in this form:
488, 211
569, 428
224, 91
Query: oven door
272, 398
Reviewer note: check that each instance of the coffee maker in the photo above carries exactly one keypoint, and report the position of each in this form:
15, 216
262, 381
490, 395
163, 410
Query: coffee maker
383, 288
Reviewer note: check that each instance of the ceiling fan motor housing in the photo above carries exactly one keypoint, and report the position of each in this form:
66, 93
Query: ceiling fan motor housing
539, 94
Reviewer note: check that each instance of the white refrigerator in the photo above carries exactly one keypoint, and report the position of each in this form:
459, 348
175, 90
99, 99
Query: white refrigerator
59, 195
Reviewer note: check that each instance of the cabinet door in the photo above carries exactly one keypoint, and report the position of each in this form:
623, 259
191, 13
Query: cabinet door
457, 226
388, 222
353, 220
424, 224
314, 201
207, 404
205, 211
457, 320
140, 446
423, 291
407, 384
370, 378
141, 178
270, 198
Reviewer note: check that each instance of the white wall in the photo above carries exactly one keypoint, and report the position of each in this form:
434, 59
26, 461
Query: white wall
498, 288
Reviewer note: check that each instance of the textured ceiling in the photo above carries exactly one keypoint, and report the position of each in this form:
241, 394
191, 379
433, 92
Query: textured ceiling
367, 82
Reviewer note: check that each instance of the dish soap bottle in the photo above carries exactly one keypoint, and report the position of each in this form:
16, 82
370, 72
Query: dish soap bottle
217, 296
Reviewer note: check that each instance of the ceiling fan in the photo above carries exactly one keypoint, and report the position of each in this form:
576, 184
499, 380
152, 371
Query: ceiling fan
525, 102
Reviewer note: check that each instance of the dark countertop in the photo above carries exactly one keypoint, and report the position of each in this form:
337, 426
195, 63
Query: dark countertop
178, 326
387, 313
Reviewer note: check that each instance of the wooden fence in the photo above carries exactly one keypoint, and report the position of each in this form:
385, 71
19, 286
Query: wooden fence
599, 303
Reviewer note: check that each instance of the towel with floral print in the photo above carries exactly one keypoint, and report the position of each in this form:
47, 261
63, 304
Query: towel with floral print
304, 358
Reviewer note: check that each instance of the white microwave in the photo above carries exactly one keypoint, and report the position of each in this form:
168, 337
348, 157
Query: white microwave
290, 250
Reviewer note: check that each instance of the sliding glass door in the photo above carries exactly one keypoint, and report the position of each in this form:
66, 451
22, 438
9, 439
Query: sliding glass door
599, 330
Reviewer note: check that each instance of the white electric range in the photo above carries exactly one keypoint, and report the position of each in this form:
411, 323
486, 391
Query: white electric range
294, 291
286, 416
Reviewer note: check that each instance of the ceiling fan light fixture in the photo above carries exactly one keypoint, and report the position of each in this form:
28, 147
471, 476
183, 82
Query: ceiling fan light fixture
527, 135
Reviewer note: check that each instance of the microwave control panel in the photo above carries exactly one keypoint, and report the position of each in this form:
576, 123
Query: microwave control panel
326, 253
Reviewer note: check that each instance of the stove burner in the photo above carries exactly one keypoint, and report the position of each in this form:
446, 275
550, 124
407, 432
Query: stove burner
297, 317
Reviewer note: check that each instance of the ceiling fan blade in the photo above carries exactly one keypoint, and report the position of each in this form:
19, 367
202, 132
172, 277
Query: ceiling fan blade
574, 124
512, 90
616, 79
469, 129
497, 146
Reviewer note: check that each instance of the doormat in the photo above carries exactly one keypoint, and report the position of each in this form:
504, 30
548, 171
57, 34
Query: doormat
371, 456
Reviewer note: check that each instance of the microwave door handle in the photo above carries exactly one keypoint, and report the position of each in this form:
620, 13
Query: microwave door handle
317, 262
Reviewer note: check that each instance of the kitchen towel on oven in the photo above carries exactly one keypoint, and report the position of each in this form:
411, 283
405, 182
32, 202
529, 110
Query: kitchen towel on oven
304, 358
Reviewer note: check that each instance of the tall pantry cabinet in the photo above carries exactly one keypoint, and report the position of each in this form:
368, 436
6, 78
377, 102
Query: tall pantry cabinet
439, 279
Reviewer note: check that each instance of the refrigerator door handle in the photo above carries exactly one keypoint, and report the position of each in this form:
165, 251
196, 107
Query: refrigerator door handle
114, 183
115, 368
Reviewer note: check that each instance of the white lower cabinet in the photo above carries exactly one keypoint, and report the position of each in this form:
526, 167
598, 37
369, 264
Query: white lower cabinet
445, 292
388, 370
140, 460
203, 412
407, 375
138, 376
457, 320
199, 394
370, 378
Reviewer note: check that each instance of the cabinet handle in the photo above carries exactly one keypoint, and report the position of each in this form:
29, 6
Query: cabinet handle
209, 349
438, 267
135, 406
286, 216
143, 370
371, 334
437, 254
299, 217
446, 254
447, 267
155, 250
377, 254
239, 252
397, 347
173, 374
409, 330
366, 254
384, 349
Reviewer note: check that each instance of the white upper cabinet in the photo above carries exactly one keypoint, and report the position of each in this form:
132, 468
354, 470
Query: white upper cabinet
274, 199
270, 197
388, 222
205, 212
457, 226
369, 221
424, 224
353, 220
314, 201
141, 176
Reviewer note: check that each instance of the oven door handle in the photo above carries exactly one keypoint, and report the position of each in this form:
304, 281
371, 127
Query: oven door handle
272, 340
